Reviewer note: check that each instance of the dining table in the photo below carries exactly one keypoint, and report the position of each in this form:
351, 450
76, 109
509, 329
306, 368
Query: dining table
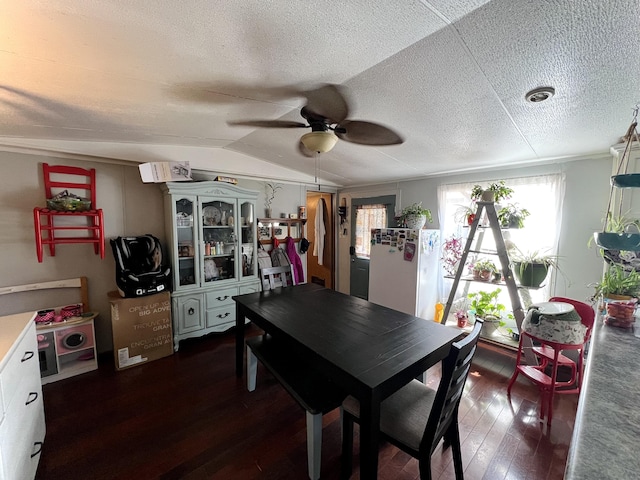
369, 350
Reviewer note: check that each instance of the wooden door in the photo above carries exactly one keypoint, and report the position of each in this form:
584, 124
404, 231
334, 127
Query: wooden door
317, 273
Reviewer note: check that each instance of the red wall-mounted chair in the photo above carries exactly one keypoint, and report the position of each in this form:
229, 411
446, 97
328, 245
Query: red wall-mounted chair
46, 226
552, 355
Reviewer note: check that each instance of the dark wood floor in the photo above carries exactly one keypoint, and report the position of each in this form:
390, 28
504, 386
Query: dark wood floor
187, 416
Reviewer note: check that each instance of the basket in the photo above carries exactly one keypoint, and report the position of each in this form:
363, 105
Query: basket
68, 202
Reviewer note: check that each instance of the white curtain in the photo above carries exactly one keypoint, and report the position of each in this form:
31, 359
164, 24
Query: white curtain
368, 217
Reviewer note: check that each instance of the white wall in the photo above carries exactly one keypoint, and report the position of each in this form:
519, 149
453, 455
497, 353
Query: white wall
585, 202
130, 208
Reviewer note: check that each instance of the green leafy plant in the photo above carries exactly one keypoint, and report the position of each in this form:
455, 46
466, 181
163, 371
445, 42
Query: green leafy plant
512, 215
617, 281
499, 189
532, 267
415, 209
486, 306
485, 265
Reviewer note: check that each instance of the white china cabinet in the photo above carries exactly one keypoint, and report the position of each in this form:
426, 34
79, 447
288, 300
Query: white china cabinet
211, 231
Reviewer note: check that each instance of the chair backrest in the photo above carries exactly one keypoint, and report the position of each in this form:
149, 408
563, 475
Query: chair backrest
88, 183
455, 369
586, 312
273, 277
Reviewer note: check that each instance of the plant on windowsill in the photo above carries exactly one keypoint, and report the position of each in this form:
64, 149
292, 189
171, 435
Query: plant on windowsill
415, 216
512, 216
495, 192
485, 305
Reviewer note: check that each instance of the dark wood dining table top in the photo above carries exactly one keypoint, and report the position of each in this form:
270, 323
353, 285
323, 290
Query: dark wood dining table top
369, 350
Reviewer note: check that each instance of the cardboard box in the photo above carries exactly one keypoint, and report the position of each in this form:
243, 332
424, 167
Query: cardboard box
158, 172
141, 328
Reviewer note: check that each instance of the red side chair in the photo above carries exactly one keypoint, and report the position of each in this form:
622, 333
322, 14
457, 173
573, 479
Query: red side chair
550, 357
44, 219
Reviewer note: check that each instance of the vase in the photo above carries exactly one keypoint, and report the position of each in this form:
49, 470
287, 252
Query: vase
415, 222
267, 213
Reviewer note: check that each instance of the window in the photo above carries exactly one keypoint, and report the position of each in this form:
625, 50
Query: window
541, 195
368, 217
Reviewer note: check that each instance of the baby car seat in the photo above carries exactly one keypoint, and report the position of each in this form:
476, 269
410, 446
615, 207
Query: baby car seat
139, 266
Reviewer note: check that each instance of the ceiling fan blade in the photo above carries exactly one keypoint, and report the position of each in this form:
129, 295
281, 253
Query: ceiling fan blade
327, 102
305, 151
269, 124
368, 133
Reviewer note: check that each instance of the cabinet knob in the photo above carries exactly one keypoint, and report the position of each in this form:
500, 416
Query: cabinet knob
27, 356
221, 299
191, 311
33, 396
223, 316
37, 452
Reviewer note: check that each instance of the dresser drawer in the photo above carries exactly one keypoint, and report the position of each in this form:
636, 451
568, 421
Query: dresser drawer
22, 363
221, 316
22, 429
221, 298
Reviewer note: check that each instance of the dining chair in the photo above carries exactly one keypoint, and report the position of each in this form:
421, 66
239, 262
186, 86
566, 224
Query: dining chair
417, 417
273, 277
313, 391
550, 356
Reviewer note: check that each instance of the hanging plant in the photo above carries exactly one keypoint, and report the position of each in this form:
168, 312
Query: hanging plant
451, 254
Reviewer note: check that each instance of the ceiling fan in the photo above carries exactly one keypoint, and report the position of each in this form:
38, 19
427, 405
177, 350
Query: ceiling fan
326, 114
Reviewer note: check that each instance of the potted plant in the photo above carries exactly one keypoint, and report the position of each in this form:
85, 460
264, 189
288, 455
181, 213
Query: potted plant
495, 192
485, 305
270, 194
451, 254
619, 289
415, 216
461, 318
485, 270
512, 216
465, 215
531, 268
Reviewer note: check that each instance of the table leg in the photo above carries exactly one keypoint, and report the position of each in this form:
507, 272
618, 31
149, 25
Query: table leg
239, 340
369, 437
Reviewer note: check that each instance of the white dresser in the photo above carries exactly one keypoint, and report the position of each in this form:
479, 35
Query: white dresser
22, 426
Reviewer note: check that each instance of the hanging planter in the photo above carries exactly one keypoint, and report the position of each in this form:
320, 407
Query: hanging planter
530, 274
615, 235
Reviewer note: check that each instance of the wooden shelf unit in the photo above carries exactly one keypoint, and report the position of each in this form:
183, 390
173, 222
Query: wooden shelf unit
281, 222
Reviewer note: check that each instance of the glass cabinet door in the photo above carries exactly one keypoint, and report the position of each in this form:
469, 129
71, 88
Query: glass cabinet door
186, 247
247, 240
219, 239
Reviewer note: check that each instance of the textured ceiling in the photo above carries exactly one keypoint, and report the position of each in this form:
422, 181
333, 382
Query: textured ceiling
160, 79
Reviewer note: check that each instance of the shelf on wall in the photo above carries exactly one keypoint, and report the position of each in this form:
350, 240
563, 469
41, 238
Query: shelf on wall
279, 222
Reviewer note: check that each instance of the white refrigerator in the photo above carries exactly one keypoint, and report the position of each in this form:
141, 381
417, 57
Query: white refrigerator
404, 270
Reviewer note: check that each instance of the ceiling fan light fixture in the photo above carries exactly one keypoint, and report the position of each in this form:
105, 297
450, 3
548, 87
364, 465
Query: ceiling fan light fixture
320, 142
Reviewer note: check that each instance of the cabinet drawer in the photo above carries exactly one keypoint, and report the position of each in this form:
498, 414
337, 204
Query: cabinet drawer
22, 363
219, 316
219, 298
20, 460
23, 426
